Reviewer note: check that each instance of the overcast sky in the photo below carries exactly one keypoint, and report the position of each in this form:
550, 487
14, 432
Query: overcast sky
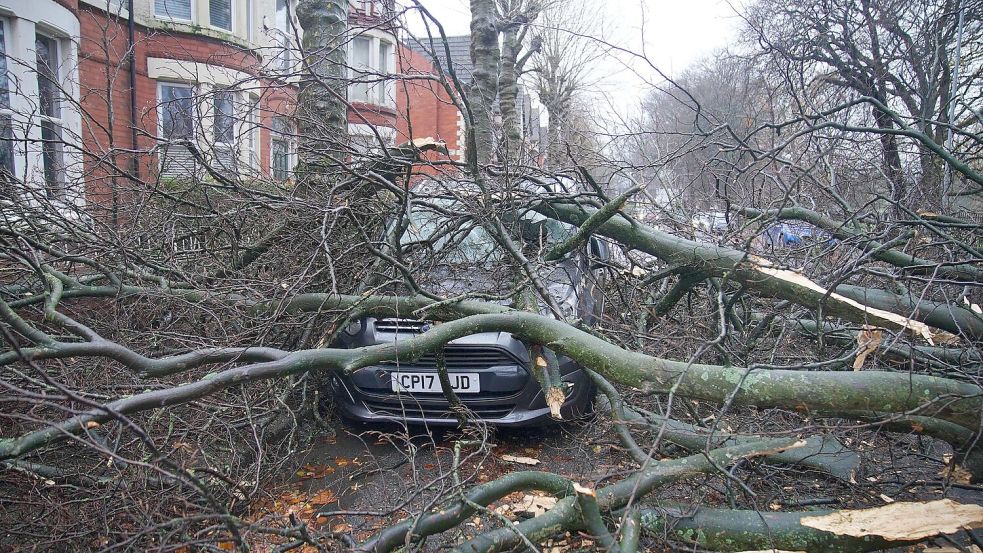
674, 33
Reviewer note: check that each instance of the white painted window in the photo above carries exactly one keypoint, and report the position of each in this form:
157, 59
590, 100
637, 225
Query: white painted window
283, 150
223, 116
6, 129
48, 56
220, 14
371, 61
226, 124
40, 125
283, 61
176, 118
252, 131
180, 10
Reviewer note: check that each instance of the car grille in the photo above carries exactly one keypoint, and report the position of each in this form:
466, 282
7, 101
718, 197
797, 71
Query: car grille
412, 409
409, 326
463, 356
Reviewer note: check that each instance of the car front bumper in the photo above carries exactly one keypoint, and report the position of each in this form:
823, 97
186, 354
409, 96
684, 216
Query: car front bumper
527, 407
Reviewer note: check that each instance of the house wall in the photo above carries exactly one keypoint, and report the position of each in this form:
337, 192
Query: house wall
425, 108
106, 160
180, 52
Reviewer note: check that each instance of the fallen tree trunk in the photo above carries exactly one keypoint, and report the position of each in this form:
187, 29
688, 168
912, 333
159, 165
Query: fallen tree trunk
951, 317
966, 272
827, 392
736, 530
756, 273
567, 516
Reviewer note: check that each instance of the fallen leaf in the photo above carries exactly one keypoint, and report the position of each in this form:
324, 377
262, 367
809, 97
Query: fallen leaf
901, 521
520, 460
323, 497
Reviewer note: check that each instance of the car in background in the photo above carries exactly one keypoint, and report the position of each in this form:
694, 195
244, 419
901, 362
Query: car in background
490, 372
789, 234
709, 223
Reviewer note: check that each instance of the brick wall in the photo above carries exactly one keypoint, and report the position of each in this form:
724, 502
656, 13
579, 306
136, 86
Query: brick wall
105, 98
424, 107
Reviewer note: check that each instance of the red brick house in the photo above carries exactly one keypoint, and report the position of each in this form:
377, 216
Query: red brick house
116, 94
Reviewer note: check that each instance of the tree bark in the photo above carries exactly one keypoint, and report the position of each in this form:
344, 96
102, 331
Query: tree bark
322, 112
485, 55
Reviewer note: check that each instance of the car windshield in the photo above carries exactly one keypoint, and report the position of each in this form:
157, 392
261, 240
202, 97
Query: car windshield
460, 240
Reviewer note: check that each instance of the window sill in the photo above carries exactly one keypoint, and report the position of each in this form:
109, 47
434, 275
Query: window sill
387, 109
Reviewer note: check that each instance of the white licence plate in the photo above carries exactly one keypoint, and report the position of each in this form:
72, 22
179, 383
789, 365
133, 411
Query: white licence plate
462, 383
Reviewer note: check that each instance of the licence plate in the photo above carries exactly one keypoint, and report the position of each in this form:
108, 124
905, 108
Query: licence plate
462, 383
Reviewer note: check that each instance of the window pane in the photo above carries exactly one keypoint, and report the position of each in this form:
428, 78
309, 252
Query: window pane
176, 112
4, 86
252, 133
283, 34
6, 146
224, 120
280, 159
51, 154
385, 55
280, 148
47, 68
361, 48
6, 134
177, 9
220, 13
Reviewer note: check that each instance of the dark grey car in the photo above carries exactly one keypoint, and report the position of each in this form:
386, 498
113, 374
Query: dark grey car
491, 371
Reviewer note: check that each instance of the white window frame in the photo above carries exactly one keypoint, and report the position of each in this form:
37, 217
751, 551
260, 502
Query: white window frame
195, 124
195, 128
252, 121
23, 22
363, 134
380, 93
166, 17
232, 17
8, 112
236, 119
283, 58
250, 18
57, 187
